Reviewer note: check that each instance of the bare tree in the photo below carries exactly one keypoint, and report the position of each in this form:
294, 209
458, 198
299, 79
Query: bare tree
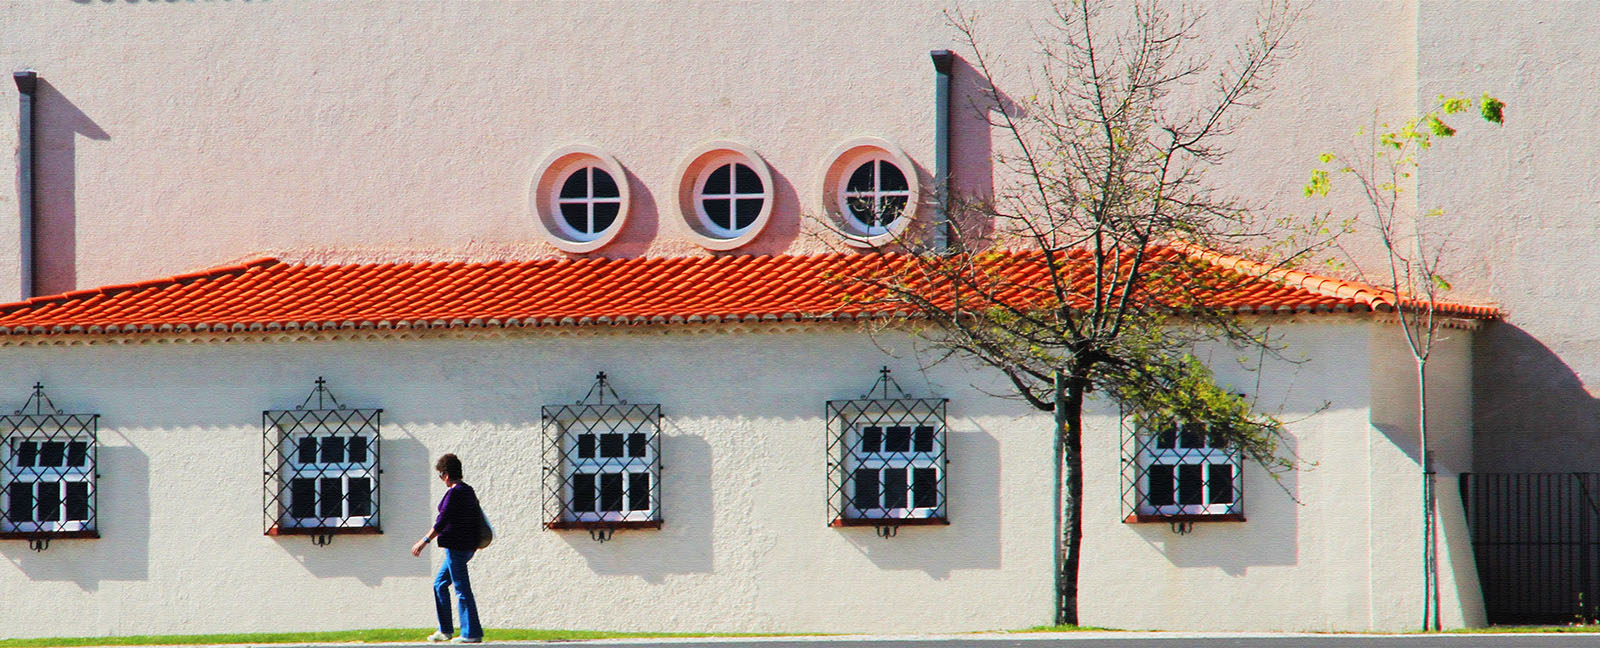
1383, 170
1085, 281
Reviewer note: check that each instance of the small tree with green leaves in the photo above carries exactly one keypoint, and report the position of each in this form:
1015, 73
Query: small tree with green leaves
1383, 171
1109, 156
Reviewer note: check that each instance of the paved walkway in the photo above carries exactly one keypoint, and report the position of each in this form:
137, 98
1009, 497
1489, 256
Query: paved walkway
1077, 640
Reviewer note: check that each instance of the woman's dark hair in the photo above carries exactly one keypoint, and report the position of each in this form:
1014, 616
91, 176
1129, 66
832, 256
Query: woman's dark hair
449, 465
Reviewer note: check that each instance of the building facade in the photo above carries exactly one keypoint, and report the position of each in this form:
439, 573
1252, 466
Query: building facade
171, 137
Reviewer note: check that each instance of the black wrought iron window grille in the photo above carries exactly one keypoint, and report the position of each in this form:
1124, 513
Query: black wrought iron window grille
321, 467
887, 459
1180, 472
48, 475
602, 462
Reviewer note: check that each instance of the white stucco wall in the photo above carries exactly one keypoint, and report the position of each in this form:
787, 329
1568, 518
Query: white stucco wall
1450, 441
745, 546
1333, 546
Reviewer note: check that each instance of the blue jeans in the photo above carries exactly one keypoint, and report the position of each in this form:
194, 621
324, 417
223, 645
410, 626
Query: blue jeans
454, 572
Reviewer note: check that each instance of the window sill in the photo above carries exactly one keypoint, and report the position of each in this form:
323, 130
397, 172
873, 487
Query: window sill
884, 522
47, 535
565, 525
277, 530
1162, 519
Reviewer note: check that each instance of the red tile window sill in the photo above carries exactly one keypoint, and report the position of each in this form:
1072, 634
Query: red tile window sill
1151, 519
602, 524
47, 535
361, 530
886, 522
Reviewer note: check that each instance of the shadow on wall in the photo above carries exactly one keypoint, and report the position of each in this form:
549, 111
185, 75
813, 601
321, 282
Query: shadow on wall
1531, 412
122, 553
644, 222
58, 123
684, 542
1270, 537
972, 149
403, 496
784, 227
973, 539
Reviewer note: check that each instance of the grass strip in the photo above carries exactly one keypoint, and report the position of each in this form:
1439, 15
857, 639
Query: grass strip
1061, 628
386, 635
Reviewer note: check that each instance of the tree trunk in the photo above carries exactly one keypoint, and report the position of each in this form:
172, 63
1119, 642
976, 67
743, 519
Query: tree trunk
1430, 518
1069, 493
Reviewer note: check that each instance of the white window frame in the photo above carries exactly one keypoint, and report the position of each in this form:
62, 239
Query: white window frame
60, 475
573, 465
734, 196
317, 471
1150, 455
877, 194
855, 459
589, 200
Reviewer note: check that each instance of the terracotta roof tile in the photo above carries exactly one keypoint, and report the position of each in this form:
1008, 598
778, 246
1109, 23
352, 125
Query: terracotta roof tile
269, 294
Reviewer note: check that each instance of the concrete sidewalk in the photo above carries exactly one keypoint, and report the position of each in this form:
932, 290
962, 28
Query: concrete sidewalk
1087, 639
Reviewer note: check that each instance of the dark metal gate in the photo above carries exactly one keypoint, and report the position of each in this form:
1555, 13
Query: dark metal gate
1536, 538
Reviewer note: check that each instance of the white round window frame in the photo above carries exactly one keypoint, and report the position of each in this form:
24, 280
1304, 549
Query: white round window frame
545, 189
843, 160
692, 174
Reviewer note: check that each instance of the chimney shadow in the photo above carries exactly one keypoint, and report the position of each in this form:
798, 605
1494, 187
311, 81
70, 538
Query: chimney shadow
58, 124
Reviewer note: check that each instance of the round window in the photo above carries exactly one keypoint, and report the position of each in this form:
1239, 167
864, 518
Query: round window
589, 202
725, 194
730, 198
579, 198
875, 196
870, 192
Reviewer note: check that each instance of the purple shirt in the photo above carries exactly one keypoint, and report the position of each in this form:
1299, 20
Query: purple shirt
459, 517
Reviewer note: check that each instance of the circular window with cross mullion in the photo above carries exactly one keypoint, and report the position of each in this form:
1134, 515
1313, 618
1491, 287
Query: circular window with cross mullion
875, 196
870, 192
579, 197
725, 194
730, 198
589, 201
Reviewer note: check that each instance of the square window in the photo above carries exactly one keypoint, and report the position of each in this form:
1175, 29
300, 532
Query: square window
603, 465
888, 460
1182, 470
325, 463
47, 472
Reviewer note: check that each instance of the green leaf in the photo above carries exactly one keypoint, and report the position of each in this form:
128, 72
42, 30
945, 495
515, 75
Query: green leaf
1439, 282
1492, 109
1325, 158
1439, 127
1319, 184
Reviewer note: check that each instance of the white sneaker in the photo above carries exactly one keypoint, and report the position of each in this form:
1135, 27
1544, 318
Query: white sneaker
438, 637
465, 640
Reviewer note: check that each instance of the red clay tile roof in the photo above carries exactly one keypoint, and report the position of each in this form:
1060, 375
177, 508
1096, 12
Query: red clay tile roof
268, 294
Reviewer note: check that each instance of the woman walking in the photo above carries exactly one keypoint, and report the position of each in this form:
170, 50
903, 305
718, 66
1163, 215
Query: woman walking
457, 529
